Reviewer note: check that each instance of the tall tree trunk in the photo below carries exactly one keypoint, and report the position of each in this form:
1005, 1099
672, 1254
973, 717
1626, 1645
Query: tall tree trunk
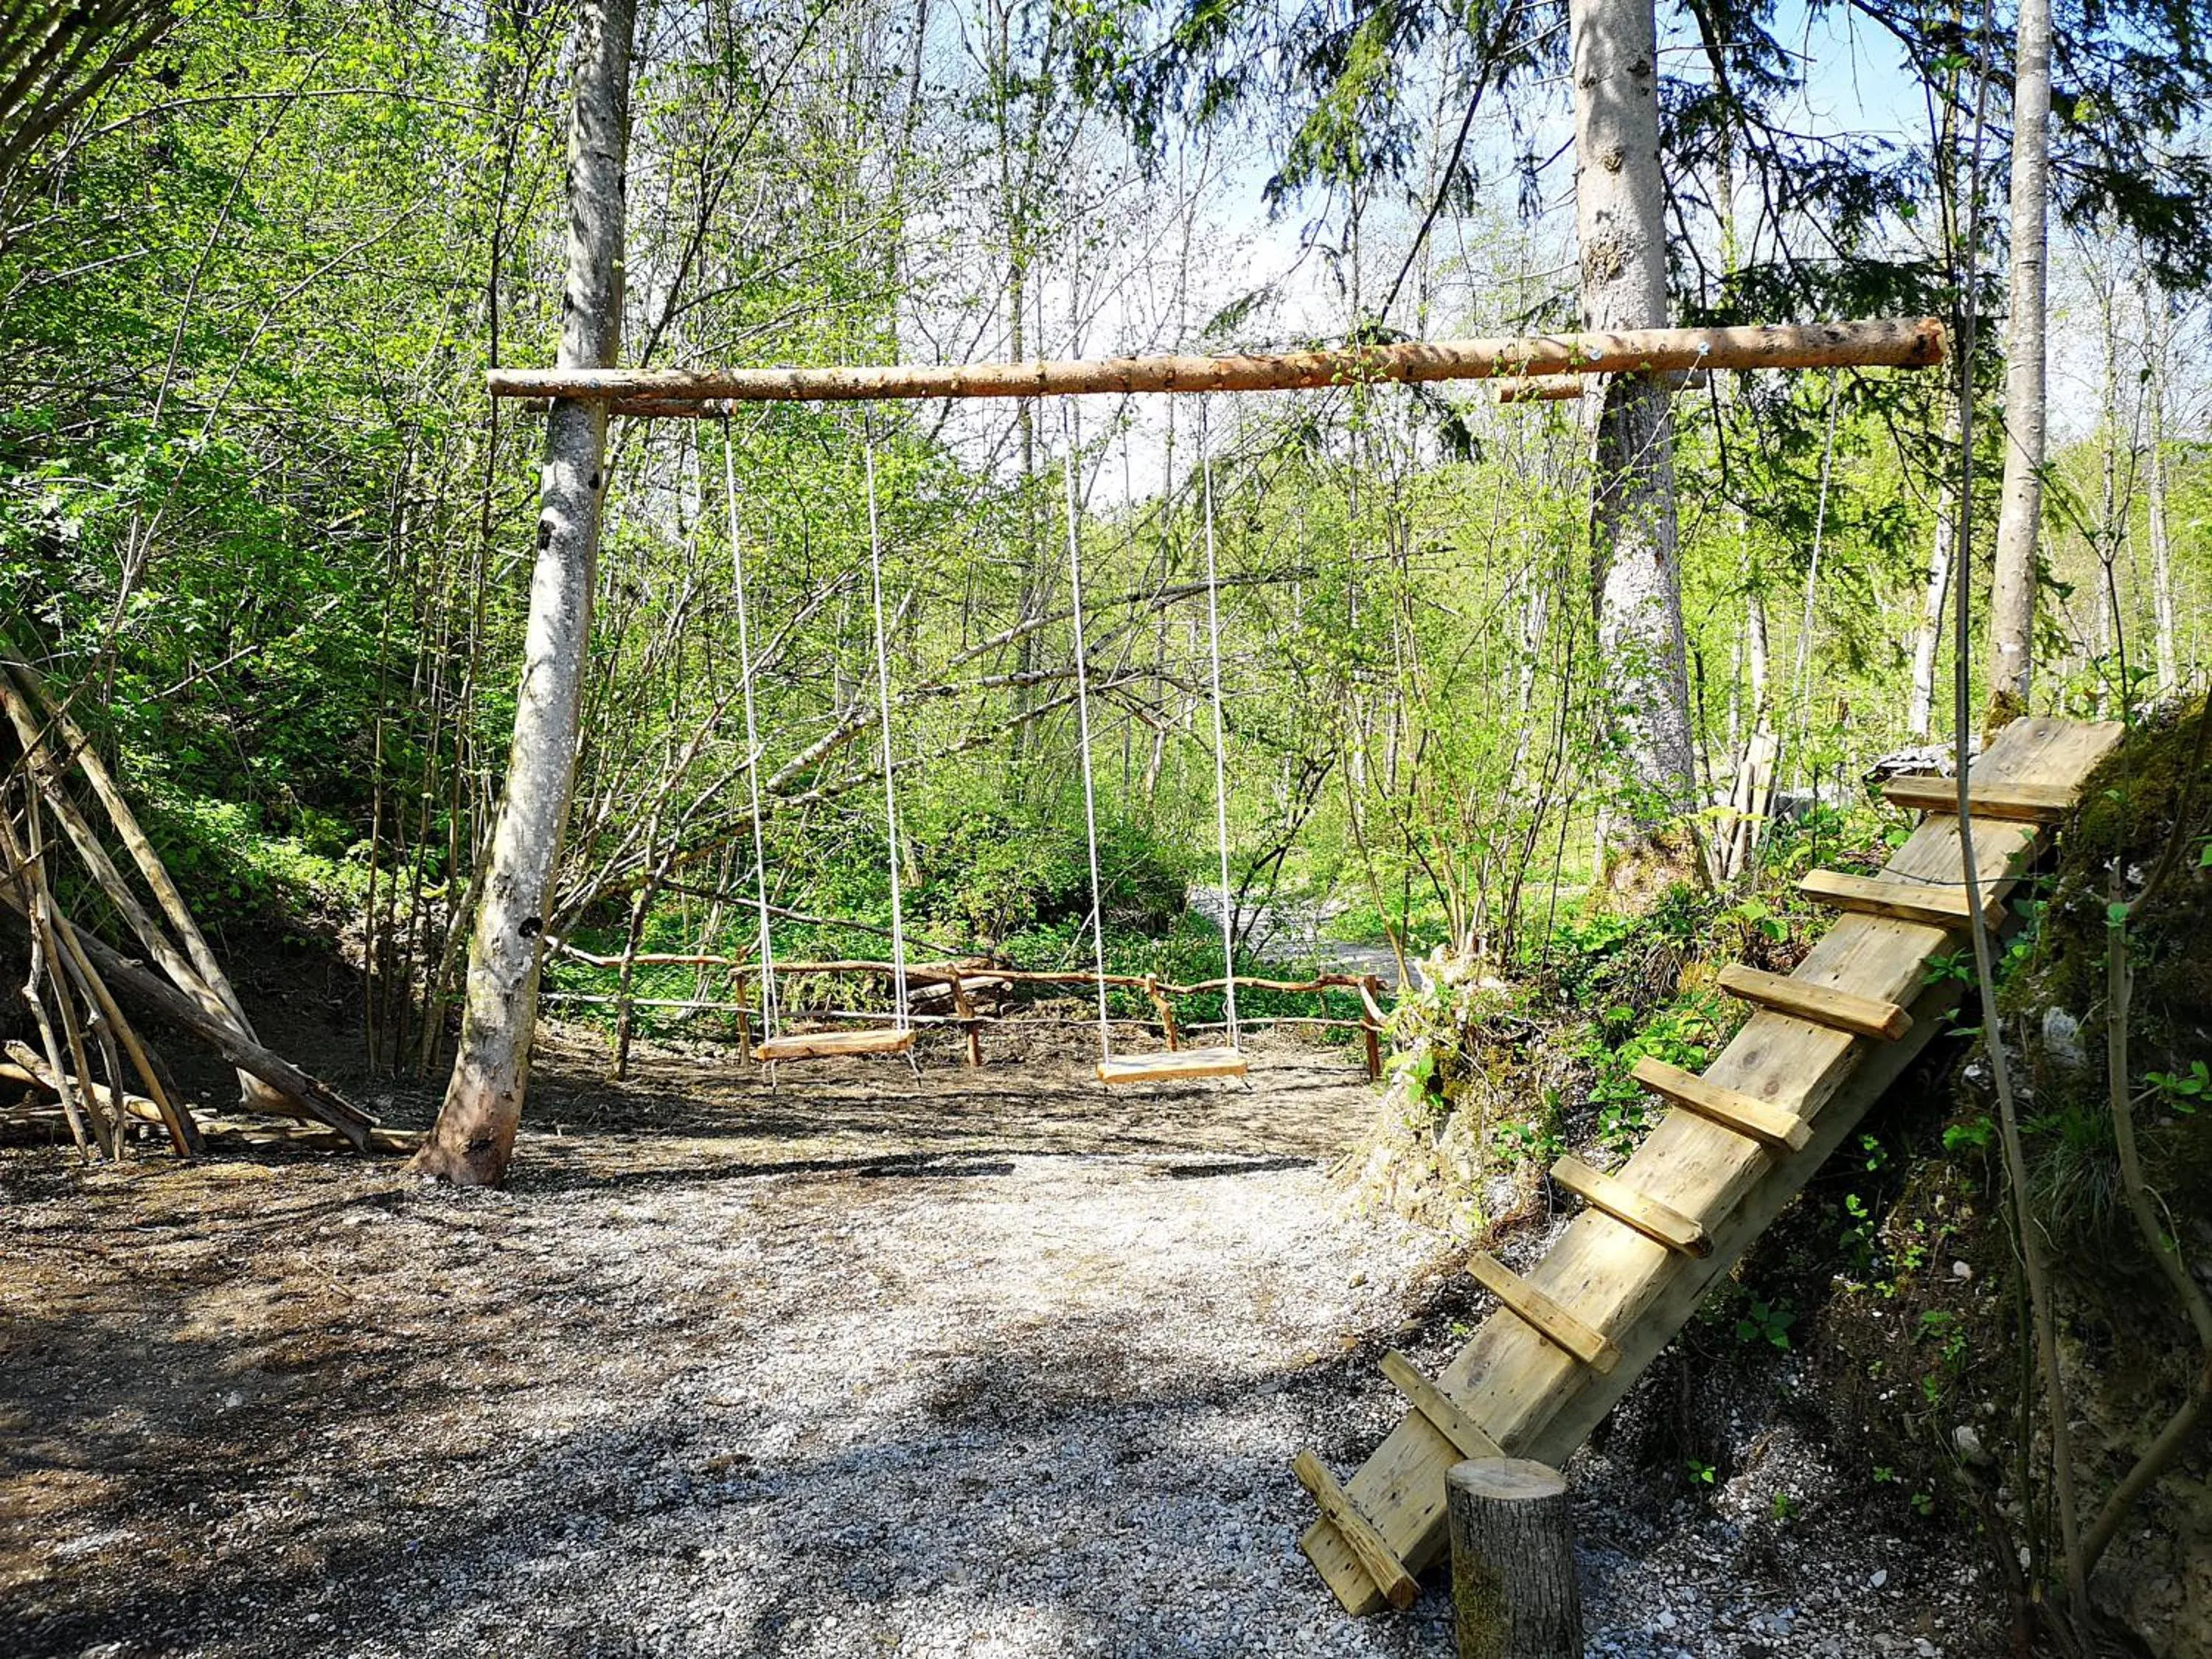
1758, 654
2012, 595
1920, 715
1619, 207
1928, 643
2161, 544
474, 1133
2109, 526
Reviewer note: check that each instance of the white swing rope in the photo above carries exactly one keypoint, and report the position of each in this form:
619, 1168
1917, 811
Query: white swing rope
900, 1019
752, 736
1220, 741
1083, 735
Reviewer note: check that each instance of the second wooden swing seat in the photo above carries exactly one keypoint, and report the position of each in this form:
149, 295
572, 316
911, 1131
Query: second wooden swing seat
1176, 1064
1172, 1066
897, 1038
822, 1045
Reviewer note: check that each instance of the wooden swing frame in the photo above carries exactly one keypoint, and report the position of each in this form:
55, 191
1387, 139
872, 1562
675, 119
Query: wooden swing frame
1529, 367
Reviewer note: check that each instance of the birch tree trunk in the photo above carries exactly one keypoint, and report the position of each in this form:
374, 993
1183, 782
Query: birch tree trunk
2012, 594
1920, 714
1928, 642
1618, 206
474, 1133
2109, 526
1757, 653
2161, 542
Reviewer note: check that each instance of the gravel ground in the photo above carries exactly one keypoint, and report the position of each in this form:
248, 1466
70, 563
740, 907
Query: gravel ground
987, 1366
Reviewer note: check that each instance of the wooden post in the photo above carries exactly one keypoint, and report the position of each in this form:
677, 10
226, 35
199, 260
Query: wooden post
966, 1008
1371, 999
737, 984
1166, 1011
1513, 1561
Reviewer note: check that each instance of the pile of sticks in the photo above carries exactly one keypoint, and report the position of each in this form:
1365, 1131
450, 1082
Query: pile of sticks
54, 784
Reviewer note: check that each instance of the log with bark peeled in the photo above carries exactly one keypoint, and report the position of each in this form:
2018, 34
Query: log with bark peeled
316, 1098
1894, 343
27, 1067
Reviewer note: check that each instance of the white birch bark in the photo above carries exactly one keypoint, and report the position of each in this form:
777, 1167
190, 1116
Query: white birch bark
1759, 655
1920, 714
474, 1133
2161, 542
2108, 511
2012, 593
1620, 201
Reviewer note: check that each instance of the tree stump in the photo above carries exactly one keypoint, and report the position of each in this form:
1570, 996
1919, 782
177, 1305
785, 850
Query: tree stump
1513, 1561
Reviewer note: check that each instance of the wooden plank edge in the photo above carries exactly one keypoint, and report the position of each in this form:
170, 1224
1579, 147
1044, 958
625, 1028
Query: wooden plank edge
1922, 903
1376, 1558
1772, 1127
1549, 1318
1660, 1222
1443, 1411
1817, 1005
830, 1045
1176, 1063
2009, 803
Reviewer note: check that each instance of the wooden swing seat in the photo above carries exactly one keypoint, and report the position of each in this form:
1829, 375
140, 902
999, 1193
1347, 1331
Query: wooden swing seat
821, 1045
1167, 1067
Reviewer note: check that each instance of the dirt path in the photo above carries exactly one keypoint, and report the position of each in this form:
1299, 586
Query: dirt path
982, 1368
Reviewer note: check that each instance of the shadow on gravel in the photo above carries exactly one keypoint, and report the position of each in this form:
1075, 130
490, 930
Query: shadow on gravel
1033, 1490
317, 1408
1256, 1164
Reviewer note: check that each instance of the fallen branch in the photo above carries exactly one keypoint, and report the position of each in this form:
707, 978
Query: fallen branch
316, 1098
24, 1066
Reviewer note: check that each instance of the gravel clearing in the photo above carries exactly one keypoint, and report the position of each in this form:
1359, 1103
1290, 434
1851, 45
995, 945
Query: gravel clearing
989, 1366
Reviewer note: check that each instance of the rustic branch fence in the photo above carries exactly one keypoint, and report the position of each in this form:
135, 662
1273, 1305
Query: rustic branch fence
962, 981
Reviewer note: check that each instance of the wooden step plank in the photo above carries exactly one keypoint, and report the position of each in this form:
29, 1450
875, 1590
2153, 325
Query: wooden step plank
1540, 1402
1433, 1403
1822, 1005
1541, 1311
821, 1045
1926, 903
2023, 802
1377, 1558
1617, 1199
1181, 1063
1775, 1127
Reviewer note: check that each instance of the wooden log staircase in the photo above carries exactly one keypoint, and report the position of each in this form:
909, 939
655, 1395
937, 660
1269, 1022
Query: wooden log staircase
1732, 1149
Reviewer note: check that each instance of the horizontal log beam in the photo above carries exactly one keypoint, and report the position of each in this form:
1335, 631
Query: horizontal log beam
1892, 342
